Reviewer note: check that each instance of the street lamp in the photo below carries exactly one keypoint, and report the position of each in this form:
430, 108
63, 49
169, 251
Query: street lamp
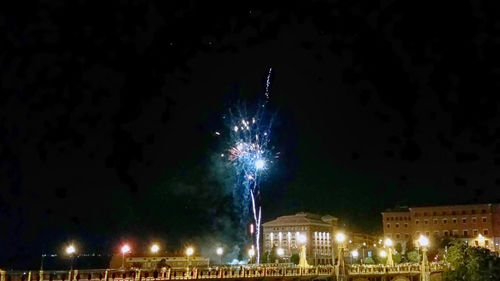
155, 248
354, 254
70, 250
340, 238
125, 250
302, 239
424, 243
189, 253
251, 253
383, 254
388, 243
280, 252
219, 252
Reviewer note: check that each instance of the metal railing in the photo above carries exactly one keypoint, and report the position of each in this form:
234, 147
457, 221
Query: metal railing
223, 272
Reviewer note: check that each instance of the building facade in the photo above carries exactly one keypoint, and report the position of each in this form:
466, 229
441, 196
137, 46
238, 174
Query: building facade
284, 232
477, 224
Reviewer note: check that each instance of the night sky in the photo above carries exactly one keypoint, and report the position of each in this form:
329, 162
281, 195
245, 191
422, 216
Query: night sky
108, 113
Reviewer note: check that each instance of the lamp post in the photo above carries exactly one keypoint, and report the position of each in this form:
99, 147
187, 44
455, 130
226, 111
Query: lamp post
280, 253
70, 250
303, 254
125, 250
382, 254
189, 253
340, 238
251, 253
388, 244
219, 252
424, 269
354, 255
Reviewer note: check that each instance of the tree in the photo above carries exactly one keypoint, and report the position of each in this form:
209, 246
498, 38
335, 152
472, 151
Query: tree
264, 256
396, 258
369, 260
471, 263
413, 256
271, 258
295, 258
409, 245
399, 248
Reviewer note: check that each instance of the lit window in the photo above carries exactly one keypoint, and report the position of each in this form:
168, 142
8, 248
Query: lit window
484, 219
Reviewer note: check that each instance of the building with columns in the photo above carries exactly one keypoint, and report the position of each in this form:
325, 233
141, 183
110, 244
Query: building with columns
284, 233
478, 224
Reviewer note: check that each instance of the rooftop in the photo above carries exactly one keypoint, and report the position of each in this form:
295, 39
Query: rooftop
302, 219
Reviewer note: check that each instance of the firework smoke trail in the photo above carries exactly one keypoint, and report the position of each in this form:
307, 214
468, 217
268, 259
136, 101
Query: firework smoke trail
249, 155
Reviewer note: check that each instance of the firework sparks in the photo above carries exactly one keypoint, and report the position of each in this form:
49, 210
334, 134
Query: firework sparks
249, 155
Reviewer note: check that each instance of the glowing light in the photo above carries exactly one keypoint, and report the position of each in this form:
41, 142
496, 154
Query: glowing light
340, 237
219, 251
259, 164
355, 254
70, 250
251, 253
388, 242
383, 254
155, 248
302, 238
125, 249
189, 251
423, 241
280, 252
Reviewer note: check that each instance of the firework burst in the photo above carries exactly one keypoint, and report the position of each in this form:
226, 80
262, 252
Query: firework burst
250, 157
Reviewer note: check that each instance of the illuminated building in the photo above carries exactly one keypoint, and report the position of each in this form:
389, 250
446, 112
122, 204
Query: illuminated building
283, 233
478, 224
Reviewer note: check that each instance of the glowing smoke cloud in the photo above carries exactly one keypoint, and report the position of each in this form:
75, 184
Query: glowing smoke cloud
250, 157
